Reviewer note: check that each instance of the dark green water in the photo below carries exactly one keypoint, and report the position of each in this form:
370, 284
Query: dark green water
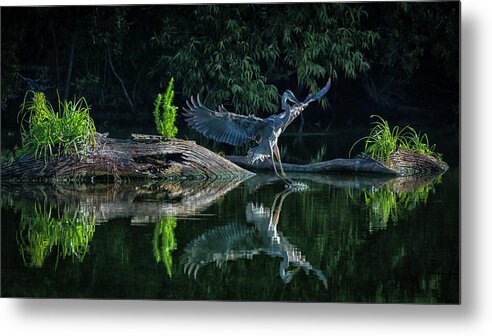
345, 239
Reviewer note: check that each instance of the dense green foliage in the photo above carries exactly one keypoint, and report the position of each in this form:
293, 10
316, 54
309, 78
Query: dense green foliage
165, 112
46, 132
383, 140
239, 50
240, 55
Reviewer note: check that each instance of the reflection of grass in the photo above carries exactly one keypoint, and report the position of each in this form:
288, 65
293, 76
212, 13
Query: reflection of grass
43, 229
164, 242
386, 204
383, 206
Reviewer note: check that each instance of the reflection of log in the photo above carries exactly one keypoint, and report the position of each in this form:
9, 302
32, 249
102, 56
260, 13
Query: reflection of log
337, 181
156, 158
395, 183
403, 163
143, 202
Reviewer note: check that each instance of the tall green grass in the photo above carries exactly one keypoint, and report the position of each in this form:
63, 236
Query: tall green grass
383, 140
165, 112
46, 132
420, 144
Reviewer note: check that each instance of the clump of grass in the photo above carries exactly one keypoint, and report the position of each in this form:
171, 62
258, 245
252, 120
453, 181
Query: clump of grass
320, 154
383, 140
164, 242
68, 131
420, 144
165, 112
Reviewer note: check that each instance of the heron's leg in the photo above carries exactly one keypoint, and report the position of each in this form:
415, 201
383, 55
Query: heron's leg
273, 163
277, 153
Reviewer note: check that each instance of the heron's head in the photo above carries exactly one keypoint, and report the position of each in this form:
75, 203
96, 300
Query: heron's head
291, 97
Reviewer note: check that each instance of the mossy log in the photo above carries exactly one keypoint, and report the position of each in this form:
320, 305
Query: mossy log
402, 163
144, 156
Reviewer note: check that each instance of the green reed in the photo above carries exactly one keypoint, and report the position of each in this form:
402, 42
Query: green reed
46, 132
165, 112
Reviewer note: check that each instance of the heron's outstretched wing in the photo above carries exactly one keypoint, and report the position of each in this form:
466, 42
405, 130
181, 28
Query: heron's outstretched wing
219, 245
222, 125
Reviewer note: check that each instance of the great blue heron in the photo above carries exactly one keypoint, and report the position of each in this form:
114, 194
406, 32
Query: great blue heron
236, 129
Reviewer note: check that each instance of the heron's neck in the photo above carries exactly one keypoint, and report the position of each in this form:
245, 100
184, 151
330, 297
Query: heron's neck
291, 114
286, 115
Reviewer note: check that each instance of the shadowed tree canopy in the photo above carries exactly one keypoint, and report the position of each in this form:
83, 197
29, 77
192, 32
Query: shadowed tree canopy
238, 51
243, 56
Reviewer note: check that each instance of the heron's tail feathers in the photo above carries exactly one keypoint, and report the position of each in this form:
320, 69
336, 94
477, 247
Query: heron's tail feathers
256, 154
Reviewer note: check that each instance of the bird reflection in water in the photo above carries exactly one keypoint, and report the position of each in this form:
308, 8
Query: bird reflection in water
239, 241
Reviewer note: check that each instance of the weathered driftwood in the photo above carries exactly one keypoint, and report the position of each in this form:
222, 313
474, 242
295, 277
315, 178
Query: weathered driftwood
402, 163
149, 157
406, 162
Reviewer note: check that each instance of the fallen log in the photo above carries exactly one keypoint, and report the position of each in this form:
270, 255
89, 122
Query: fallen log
405, 162
350, 166
155, 157
402, 163
147, 157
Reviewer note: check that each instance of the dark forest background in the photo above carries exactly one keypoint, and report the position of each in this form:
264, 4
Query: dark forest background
399, 60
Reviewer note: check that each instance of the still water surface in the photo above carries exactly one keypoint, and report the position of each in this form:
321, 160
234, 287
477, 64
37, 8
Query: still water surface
344, 239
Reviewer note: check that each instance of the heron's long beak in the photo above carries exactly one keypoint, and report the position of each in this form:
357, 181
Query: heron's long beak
319, 94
